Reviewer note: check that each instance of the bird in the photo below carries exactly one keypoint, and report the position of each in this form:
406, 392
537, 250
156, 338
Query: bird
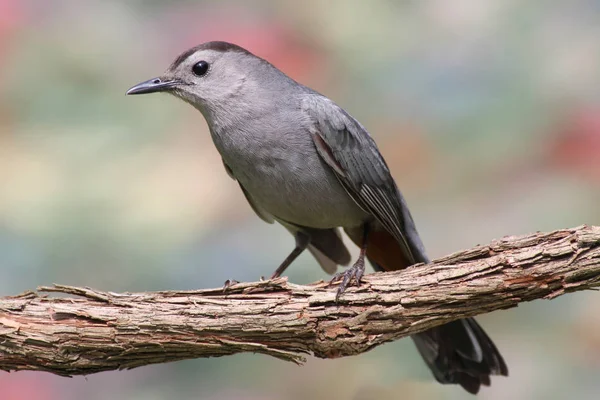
304, 162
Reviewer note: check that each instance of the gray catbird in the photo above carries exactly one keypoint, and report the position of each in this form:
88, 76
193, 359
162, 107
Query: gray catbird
303, 161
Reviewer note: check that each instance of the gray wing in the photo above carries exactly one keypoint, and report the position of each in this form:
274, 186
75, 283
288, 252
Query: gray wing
349, 150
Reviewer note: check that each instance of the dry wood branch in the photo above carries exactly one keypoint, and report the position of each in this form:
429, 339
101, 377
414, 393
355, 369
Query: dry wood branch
90, 331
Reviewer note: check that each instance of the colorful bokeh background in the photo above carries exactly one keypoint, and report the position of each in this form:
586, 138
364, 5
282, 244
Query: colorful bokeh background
488, 113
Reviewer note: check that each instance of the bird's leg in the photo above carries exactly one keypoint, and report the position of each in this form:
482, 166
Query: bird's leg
356, 271
302, 242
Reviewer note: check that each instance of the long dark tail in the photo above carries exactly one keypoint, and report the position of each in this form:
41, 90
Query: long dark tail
461, 352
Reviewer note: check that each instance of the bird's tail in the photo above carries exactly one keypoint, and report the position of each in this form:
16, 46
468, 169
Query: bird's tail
460, 352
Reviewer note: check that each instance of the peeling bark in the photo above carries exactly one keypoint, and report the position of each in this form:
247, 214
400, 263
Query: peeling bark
85, 331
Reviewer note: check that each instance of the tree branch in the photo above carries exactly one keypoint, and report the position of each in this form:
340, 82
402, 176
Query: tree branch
90, 331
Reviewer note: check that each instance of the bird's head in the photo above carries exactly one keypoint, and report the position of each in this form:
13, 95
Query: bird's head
208, 76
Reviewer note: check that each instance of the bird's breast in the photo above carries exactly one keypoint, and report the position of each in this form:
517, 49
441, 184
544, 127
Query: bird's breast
286, 176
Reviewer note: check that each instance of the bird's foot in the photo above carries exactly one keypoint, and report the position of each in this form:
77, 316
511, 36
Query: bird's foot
356, 271
228, 283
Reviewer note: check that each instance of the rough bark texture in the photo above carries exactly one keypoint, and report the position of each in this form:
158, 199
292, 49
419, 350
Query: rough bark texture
89, 331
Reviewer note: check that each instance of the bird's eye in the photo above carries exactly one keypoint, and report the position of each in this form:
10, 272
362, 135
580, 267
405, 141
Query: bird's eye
200, 68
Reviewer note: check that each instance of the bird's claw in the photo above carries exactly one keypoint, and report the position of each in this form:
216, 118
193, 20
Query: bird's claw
356, 271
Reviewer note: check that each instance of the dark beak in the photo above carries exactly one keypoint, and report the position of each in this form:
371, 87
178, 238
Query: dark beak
153, 86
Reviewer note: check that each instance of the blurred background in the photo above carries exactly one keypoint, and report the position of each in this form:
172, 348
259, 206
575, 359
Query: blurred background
488, 114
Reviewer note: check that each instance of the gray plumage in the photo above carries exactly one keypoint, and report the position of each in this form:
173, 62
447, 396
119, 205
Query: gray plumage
302, 161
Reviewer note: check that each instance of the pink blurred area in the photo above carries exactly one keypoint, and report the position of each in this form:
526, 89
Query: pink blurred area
575, 146
29, 386
486, 112
11, 17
